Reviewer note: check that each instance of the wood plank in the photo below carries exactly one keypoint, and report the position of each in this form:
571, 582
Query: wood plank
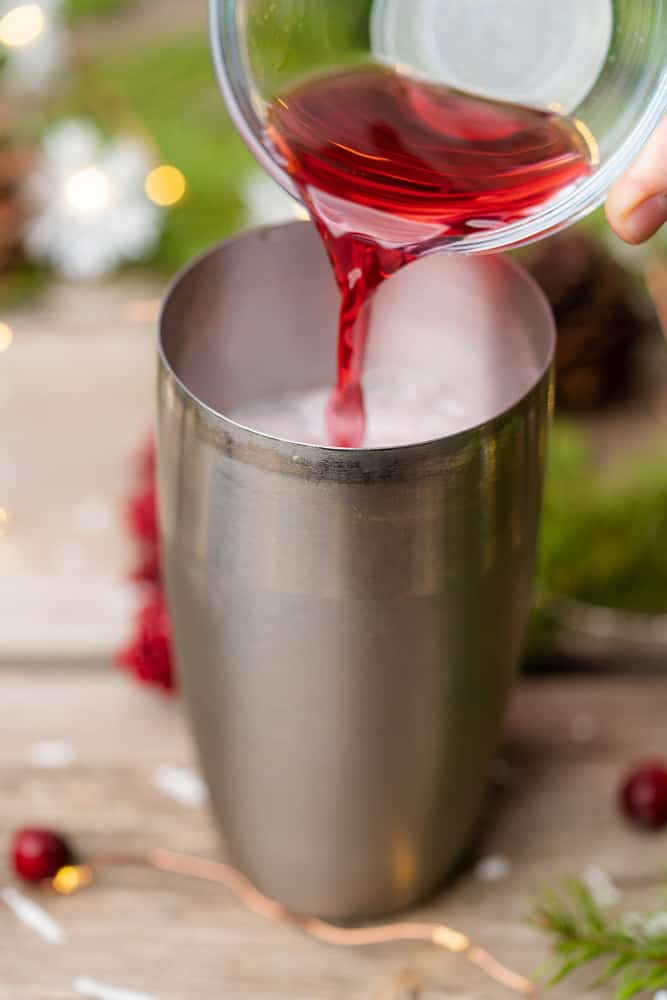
568, 742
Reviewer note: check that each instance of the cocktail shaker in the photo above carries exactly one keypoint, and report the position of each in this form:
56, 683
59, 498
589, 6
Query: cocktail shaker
347, 622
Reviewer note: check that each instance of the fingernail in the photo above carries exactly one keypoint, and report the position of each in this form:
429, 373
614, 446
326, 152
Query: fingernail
645, 220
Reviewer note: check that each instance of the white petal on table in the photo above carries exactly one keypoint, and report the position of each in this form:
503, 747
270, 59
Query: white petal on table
181, 784
633, 924
495, 868
52, 754
33, 916
601, 887
656, 925
93, 990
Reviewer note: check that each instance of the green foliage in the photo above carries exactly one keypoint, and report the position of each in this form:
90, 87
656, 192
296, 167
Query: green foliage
604, 540
288, 39
20, 285
87, 8
168, 89
633, 961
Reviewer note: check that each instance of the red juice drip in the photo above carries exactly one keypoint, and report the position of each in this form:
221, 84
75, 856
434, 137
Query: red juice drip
391, 167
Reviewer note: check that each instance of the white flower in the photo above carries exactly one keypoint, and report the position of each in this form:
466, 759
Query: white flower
91, 212
267, 204
41, 50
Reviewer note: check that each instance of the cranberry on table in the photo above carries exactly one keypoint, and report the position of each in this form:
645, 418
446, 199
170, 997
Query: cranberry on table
644, 795
39, 854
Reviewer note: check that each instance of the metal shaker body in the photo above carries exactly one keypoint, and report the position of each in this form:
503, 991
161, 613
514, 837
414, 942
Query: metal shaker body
347, 623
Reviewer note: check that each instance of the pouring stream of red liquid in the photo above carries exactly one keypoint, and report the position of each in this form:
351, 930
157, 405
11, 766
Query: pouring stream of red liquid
391, 167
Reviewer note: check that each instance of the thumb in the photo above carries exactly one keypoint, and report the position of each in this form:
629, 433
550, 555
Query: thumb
637, 204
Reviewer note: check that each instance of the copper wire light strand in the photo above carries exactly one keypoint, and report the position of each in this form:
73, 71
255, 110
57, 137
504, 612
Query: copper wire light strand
255, 901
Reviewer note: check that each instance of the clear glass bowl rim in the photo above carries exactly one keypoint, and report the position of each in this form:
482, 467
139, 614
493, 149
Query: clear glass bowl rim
567, 209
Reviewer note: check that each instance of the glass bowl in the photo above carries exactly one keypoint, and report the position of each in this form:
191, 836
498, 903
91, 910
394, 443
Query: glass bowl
603, 62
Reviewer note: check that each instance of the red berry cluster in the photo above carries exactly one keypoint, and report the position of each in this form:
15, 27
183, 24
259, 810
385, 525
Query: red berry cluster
148, 655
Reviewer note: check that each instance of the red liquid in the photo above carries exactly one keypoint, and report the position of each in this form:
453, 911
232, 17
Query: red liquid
391, 167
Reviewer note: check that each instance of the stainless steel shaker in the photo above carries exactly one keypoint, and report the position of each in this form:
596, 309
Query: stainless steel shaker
347, 623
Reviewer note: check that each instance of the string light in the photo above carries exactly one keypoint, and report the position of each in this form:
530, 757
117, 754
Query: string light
165, 185
33, 866
22, 26
89, 191
353, 937
71, 878
6, 337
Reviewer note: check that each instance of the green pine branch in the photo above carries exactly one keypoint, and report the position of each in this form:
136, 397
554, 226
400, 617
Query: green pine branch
633, 958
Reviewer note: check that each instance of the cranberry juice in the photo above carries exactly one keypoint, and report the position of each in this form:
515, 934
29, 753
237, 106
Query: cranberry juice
391, 167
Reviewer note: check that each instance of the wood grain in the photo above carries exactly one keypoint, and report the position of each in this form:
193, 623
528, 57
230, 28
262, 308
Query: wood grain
181, 940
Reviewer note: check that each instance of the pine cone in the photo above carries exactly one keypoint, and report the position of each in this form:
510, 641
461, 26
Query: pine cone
15, 162
599, 321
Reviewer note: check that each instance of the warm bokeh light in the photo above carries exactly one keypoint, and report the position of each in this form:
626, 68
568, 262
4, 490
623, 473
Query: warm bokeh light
71, 878
4, 521
22, 25
89, 191
590, 140
165, 185
6, 337
450, 939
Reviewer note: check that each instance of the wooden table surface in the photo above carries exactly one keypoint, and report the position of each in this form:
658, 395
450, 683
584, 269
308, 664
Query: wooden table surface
76, 402
567, 744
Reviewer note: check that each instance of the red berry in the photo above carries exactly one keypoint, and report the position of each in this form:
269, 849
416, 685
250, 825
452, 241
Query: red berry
148, 569
148, 657
39, 854
644, 796
142, 515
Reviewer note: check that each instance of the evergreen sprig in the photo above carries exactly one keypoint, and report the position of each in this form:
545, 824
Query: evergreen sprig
632, 954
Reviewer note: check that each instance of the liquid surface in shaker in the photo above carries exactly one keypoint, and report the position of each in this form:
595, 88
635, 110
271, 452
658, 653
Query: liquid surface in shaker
390, 166
399, 411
